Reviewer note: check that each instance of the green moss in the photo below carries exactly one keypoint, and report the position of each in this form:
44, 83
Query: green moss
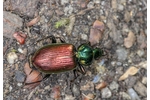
62, 22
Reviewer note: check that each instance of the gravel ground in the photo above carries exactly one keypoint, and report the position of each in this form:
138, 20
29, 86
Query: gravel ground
125, 39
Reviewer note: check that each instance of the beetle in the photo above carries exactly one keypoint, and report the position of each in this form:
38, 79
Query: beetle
61, 57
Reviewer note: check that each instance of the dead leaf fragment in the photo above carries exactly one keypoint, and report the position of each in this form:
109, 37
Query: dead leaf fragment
33, 21
96, 32
99, 25
129, 41
131, 71
33, 77
95, 36
101, 85
27, 69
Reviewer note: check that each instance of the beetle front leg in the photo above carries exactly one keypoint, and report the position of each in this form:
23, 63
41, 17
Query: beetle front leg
53, 38
61, 39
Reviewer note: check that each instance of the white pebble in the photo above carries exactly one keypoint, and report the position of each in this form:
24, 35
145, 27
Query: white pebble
12, 57
20, 50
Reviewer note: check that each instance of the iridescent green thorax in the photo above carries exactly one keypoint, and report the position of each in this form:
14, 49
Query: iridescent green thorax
86, 54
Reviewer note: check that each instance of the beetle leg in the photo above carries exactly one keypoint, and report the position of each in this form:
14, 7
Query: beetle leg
53, 39
62, 40
75, 73
45, 77
106, 54
81, 70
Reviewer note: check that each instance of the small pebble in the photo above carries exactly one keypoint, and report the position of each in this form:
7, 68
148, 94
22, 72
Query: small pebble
90, 4
114, 86
131, 81
133, 94
119, 70
69, 97
121, 53
140, 88
119, 63
113, 63
106, 93
84, 37
68, 10
125, 96
10, 88
19, 84
96, 1
88, 86
12, 57
47, 87
19, 76
120, 7
140, 52
64, 2
76, 90
20, 50
144, 80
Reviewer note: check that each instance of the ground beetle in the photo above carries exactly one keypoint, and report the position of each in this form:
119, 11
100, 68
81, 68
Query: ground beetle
61, 57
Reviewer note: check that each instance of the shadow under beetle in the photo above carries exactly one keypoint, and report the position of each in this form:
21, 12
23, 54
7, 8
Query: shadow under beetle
62, 57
